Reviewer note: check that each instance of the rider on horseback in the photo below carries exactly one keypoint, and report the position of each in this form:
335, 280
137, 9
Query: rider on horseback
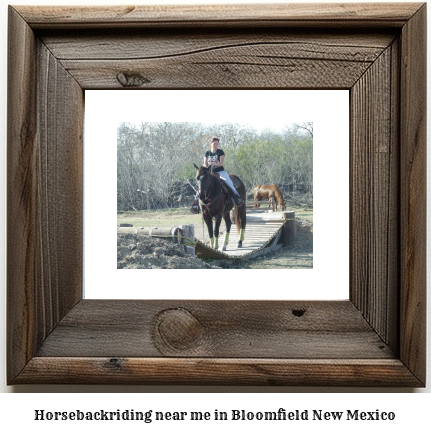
215, 159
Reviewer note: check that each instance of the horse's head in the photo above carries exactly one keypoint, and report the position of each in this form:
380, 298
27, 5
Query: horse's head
203, 180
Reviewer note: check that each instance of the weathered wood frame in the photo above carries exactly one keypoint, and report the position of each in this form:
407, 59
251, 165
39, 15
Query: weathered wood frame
376, 338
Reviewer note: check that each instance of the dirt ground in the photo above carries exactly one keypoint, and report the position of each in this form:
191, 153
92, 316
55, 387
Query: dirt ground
139, 252
299, 255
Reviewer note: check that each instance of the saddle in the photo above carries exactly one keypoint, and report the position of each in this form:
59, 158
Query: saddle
223, 184
235, 181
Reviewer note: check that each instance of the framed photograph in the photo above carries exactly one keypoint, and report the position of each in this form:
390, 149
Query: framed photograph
376, 337
262, 134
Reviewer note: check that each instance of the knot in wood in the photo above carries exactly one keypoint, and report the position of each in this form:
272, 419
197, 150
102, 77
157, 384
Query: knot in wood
115, 363
298, 312
131, 79
178, 329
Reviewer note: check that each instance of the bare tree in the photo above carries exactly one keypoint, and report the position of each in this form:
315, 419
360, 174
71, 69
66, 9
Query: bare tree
307, 127
155, 160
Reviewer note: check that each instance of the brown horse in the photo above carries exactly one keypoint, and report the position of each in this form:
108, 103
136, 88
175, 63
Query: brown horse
216, 205
269, 191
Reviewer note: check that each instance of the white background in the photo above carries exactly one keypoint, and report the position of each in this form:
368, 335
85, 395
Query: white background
329, 112
16, 410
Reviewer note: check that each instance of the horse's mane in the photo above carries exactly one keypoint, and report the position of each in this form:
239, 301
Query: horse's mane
278, 196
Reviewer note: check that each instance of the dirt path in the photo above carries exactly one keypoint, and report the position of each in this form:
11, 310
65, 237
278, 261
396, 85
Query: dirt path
134, 251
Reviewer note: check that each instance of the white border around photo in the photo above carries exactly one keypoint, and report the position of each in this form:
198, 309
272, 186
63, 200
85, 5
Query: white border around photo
329, 112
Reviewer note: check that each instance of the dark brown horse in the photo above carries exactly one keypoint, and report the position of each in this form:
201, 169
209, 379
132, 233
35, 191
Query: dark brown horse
269, 191
215, 204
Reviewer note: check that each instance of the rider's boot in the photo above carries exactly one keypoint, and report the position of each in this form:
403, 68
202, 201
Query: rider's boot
237, 200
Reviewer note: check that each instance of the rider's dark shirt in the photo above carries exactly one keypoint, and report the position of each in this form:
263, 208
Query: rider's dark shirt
215, 157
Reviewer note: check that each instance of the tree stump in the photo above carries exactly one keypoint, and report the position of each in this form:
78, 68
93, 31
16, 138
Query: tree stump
289, 228
188, 233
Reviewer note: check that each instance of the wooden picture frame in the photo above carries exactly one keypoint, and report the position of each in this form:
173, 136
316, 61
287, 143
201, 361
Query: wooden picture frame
376, 338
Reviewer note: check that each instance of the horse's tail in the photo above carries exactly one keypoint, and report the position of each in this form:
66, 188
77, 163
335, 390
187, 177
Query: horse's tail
240, 216
240, 213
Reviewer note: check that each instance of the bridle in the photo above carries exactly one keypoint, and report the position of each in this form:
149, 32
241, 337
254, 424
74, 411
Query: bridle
209, 183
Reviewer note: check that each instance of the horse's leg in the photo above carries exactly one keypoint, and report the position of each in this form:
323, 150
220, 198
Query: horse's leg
241, 237
217, 229
276, 201
209, 223
257, 197
228, 223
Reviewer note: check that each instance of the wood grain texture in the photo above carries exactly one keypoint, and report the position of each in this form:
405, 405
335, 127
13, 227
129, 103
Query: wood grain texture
267, 15
240, 372
373, 194
59, 168
376, 338
413, 194
223, 60
44, 193
235, 329
21, 194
